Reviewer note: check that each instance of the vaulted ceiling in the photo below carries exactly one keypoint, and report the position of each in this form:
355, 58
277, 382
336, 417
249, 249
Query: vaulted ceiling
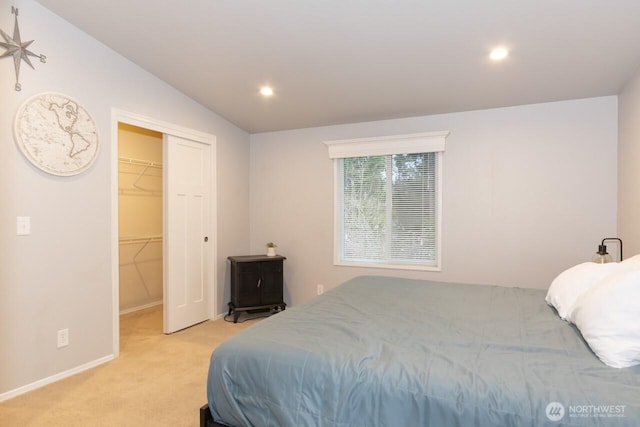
344, 61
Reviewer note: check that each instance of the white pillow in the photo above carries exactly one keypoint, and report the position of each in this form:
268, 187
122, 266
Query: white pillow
633, 262
570, 284
608, 316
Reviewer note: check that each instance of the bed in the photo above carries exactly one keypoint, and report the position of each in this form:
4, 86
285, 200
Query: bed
379, 351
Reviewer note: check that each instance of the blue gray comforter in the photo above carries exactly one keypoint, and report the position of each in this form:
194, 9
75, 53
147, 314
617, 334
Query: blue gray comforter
396, 352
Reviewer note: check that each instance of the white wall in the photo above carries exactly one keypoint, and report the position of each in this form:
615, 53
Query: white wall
60, 276
629, 166
528, 191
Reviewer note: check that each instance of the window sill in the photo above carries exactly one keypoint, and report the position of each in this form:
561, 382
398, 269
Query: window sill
414, 267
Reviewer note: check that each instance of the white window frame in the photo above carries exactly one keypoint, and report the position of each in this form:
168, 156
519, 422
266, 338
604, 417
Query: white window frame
383, 146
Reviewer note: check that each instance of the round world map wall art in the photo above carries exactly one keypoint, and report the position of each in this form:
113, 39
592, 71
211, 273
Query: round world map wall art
56, 134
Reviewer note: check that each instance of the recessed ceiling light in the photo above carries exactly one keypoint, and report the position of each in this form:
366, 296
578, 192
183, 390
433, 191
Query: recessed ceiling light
499, 53
266, 91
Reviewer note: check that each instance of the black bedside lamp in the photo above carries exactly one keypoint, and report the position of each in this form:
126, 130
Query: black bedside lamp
602, 256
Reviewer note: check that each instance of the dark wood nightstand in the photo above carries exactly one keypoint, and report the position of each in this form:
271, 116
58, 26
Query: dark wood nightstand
256, 284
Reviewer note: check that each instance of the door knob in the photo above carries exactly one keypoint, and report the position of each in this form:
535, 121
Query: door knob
206, 238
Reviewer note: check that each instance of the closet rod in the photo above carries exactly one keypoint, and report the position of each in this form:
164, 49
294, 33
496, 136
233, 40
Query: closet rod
140, 162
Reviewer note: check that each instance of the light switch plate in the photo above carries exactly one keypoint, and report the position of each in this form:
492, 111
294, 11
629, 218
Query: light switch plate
23, 225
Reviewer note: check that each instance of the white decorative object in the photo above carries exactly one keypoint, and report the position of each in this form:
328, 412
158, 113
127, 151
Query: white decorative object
271, 249
56, 134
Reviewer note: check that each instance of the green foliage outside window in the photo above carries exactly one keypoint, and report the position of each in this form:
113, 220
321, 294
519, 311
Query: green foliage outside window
389, 208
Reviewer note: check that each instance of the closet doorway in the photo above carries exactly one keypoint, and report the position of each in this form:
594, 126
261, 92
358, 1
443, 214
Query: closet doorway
164, 237
140, 201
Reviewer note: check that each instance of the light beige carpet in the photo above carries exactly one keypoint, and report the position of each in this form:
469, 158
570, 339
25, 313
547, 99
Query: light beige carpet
158, 380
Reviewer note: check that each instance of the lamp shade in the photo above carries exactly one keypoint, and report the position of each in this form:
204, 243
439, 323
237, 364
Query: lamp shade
602, 256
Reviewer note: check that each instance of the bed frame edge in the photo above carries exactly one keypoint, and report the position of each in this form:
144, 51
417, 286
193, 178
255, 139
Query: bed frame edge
206, 419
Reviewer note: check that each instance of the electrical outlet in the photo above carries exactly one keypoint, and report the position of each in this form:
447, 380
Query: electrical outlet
63, 338
320, 289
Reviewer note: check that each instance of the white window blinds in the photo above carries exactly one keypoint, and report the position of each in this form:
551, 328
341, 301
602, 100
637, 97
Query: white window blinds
388, 206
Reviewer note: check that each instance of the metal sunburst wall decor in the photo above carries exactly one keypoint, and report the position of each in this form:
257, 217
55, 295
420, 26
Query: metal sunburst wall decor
16, 48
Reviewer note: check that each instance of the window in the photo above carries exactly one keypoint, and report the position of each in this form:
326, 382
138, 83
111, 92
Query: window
388, 201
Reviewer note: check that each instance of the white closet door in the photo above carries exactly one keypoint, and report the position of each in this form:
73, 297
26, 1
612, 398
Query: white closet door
186, 233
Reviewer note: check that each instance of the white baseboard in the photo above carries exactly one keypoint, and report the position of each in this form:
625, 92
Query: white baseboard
57, 377
140, 307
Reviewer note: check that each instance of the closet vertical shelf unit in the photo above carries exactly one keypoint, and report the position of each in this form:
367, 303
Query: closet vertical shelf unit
140, 168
